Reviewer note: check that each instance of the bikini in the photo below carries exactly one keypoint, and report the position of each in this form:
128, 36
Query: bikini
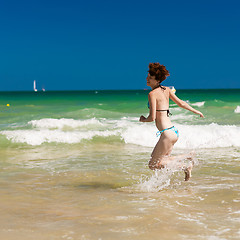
158, 133
168, 112
174, 129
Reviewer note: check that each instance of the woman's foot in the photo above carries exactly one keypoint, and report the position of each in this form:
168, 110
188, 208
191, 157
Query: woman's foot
188, 171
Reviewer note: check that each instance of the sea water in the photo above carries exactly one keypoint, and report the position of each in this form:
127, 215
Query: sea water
74, 165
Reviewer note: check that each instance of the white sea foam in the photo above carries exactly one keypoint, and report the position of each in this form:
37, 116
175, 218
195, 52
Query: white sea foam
37, 137
182, 117
50, 123
237, 110
198, 104
191, 136
208, 136
130, 130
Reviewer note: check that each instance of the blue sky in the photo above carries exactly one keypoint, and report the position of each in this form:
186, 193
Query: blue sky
81, 45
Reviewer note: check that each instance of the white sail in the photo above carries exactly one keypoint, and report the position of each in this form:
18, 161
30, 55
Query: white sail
34, 86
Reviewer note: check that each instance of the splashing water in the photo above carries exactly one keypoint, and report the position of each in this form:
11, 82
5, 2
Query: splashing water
163, 178
159, 180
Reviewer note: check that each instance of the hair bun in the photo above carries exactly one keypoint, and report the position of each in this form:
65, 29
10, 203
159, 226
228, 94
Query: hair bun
159, 71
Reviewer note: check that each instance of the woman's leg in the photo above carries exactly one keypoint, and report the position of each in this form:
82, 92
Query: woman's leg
161, 158
161, 153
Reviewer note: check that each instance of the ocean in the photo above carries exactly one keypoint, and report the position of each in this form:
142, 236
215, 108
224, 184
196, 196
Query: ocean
74, 165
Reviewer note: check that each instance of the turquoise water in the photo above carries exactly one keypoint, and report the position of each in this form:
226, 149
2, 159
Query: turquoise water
107, 110
74, 166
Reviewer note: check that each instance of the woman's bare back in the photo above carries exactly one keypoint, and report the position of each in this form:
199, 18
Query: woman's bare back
161, 97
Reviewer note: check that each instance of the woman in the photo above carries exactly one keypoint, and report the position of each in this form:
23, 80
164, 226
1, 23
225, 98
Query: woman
159, 112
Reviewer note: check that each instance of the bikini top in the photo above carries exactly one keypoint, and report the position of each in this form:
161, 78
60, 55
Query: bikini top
167, 110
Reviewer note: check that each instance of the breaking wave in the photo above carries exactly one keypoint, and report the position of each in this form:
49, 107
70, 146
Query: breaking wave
127, 130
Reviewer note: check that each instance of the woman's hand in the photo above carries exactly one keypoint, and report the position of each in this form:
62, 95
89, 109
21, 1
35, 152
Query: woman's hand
142, 119
201, 115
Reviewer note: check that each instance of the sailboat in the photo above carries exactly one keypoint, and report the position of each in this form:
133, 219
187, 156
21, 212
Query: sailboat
34, 86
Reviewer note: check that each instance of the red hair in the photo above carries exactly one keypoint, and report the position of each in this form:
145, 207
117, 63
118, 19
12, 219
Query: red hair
159, 71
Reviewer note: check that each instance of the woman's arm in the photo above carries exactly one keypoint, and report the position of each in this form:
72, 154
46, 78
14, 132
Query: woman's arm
152, 109
183, 104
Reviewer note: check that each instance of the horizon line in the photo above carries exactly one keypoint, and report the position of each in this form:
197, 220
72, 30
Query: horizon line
87, 90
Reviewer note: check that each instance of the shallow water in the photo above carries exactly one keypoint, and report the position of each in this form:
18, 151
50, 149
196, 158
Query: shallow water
47, 193
82, 173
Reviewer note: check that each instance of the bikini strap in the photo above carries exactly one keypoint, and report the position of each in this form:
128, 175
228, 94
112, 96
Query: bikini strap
162, 87
168, 112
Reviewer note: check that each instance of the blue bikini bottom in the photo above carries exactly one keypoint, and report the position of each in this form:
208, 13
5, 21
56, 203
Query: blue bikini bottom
171, 128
